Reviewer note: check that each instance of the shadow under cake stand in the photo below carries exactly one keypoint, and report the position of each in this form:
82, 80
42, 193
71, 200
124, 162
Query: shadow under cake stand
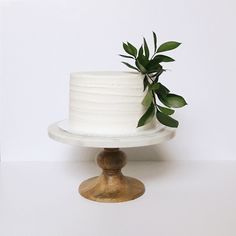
111, 185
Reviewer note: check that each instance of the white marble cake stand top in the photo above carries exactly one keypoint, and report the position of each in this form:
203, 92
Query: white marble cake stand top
145, 139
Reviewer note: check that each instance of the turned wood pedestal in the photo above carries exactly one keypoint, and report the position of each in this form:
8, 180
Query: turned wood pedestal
111, 185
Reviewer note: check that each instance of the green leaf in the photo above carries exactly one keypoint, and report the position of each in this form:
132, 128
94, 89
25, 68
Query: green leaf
146, 49
163, 89
159, 72
130, 66
141, 58
155, 86
167, 120
129, 50
153, 67
147, 116
133, 49
140, 66
147, 99
140, 52
155, 41
168, 46
162, 92
166, 110
162, 58
126, 56
175, 101
145, 83
162, 97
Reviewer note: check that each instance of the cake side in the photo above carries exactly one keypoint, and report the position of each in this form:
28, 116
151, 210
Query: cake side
107, 103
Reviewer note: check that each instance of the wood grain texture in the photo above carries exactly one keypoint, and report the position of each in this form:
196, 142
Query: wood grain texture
111, 185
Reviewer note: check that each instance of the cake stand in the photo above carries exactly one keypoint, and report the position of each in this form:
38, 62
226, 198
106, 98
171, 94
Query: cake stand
111, 185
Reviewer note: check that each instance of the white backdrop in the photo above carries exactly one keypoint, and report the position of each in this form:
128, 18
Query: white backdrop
43, 41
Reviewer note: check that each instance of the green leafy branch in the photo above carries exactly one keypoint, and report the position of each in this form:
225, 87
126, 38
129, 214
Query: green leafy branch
150, 66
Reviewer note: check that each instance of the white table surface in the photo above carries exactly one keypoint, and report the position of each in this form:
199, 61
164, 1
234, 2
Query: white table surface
183, 198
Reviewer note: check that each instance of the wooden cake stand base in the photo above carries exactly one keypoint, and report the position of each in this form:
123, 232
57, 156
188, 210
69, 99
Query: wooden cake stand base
111, 185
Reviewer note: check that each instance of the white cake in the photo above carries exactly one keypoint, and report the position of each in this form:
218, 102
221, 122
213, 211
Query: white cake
107, 103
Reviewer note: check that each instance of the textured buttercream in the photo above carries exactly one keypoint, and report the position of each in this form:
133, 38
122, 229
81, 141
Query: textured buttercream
107, 103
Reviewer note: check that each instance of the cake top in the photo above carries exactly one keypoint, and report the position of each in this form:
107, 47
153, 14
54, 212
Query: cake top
89, 74
107, 78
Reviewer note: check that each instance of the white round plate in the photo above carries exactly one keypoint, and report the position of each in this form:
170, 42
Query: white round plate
157, 136
64, 125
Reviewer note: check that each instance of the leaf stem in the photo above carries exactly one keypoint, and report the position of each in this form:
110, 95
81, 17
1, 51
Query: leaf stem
154, 55
149, 77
